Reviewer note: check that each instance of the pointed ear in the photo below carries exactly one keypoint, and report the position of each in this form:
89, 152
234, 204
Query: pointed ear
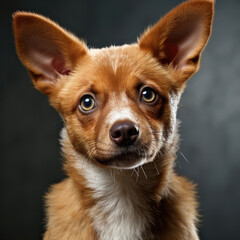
47, 50
178, 39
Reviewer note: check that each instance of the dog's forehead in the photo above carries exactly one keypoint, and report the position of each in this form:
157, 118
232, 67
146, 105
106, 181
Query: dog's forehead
120, 67
114, 68
113, 57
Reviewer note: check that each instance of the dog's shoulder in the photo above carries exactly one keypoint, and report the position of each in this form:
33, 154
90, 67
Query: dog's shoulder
178, 210
66, 216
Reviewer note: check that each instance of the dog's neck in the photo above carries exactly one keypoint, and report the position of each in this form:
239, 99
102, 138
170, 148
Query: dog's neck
123, 202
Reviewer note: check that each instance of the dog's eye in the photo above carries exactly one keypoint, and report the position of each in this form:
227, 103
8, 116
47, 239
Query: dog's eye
87, 103
148, 95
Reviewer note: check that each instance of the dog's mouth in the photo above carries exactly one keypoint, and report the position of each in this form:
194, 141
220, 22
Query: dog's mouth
125, 160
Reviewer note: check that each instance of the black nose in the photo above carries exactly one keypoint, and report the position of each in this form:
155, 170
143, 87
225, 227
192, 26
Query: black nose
124, 133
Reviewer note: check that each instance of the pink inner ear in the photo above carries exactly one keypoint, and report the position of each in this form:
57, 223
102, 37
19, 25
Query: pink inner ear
182, 42
58, 64
171, 49
46, 57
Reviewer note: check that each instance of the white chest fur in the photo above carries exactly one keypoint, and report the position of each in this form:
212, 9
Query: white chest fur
121, 211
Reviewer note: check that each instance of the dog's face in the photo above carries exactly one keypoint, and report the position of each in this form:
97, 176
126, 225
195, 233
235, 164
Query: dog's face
116, 107
119, 103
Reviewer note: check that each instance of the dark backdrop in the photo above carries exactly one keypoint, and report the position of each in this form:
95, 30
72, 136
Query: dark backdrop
210, 113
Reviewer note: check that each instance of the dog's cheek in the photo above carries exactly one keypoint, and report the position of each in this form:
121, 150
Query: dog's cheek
159, 119
166, 121
81, 133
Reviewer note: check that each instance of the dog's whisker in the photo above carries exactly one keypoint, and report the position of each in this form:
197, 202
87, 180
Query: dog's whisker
156, 167
136, 172
144, 172
184, 157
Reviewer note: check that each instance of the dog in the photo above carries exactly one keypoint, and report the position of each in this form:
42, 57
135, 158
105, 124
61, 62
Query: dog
120, 138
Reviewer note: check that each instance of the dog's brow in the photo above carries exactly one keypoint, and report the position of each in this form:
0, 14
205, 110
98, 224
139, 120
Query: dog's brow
93, 89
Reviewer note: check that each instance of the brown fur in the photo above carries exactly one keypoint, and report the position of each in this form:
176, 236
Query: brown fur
62, 67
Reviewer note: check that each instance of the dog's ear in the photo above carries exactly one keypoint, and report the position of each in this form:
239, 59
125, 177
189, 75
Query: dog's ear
48, 51
178, 39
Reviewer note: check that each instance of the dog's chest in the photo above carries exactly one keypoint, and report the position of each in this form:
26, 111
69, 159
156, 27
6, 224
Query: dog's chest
121, 212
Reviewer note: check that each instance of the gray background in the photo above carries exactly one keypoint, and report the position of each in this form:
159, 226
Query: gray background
210, 113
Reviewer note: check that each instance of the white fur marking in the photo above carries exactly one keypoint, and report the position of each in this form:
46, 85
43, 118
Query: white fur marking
119, 212
174, 101
121, 110
120, 114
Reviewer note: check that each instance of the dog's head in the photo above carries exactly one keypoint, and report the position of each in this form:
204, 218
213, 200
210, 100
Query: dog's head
119, 103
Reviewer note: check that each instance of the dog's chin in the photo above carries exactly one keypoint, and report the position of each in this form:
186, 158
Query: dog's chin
124, 161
